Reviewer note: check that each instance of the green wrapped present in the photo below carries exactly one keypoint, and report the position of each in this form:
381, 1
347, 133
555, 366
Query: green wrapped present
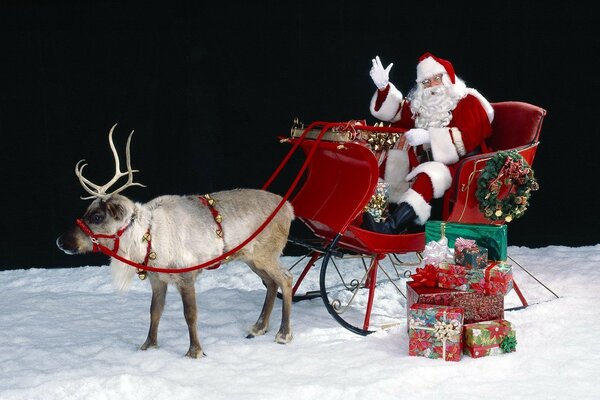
492, 237
467, 253
489, 338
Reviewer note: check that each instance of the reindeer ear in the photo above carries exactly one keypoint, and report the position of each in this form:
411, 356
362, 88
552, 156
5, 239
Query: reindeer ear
115, 209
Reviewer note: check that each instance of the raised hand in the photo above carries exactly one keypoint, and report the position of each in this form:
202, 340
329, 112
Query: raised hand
380, 75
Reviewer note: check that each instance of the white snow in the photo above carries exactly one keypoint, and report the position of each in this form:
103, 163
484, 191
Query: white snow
68, 334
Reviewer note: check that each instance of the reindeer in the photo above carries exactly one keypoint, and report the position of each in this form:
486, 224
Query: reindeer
180, 231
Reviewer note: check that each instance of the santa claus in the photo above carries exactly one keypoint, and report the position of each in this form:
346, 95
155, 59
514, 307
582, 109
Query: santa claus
446, 121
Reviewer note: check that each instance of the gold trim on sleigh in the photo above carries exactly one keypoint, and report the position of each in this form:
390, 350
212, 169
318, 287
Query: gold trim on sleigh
377, 141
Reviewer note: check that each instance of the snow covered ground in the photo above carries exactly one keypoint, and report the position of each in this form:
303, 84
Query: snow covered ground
67, 334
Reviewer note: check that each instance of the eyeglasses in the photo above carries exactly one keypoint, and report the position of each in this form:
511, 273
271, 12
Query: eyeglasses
435, 80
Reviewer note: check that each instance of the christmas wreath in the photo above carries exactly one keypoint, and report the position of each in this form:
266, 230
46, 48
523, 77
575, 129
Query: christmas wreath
505, 168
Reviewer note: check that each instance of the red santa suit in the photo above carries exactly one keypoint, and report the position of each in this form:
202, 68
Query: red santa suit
450, 140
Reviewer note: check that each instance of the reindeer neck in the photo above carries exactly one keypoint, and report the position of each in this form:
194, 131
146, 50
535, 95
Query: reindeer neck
133, 246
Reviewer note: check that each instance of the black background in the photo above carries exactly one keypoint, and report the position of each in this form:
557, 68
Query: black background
208, 87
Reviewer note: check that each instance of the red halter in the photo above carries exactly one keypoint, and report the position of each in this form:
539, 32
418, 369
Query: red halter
95, 236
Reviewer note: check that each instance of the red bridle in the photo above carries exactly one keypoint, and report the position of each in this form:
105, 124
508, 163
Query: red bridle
95, 236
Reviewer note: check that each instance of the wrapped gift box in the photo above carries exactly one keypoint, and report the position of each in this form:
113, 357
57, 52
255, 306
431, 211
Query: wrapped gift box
474, 257
496, 278
477, 307
435, 331
489, 338
492, 237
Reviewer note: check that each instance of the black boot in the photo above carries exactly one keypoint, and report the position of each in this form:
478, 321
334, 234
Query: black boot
397, 222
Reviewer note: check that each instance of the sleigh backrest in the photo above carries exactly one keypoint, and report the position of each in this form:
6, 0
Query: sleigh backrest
515, 124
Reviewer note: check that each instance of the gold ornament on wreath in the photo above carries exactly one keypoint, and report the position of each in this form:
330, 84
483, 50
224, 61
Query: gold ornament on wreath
510, 171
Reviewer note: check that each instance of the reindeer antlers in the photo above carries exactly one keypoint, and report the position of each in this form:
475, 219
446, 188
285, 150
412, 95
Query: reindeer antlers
98, 191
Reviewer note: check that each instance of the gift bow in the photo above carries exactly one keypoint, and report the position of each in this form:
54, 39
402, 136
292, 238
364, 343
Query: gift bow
461, 244
427, 276
446, 330
508, 344
437, 253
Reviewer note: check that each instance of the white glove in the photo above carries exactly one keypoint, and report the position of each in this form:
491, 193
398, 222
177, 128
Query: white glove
380, 76
417, 136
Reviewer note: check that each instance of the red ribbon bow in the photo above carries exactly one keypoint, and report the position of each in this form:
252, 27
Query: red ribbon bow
427, 276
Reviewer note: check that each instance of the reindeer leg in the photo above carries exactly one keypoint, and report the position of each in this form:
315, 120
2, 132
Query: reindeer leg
159, 291
262, 324
284, 280
188, 296
274, 276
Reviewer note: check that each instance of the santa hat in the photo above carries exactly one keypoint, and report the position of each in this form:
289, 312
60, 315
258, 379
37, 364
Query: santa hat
430, 65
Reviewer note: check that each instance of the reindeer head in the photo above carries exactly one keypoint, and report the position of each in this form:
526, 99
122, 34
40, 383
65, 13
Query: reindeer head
107, 217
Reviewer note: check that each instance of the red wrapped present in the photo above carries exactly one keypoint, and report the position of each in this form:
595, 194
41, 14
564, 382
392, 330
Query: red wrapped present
496, 278
477, 306
435, 332
489, 338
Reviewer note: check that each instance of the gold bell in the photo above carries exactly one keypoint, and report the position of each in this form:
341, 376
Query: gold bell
219, 218
142, 274
210, 200
152, 255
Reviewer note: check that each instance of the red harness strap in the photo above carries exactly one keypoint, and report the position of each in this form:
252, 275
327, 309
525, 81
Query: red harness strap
95, 236
210, 203
151, 255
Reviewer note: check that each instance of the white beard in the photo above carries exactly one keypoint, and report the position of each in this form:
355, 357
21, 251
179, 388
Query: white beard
432, 107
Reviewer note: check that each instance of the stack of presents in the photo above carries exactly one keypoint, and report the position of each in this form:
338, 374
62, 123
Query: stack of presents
455, 303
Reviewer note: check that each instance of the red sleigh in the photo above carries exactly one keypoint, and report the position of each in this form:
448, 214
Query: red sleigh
360, 269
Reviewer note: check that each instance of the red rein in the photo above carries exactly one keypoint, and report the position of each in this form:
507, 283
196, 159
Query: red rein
210, 263
214, 262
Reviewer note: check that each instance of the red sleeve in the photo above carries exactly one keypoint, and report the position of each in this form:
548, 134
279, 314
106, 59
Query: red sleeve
470, 118
381, 96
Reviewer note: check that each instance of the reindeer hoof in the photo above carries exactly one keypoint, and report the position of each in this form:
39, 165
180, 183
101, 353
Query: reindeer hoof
147, 344
195, 353
255, 331
283, 338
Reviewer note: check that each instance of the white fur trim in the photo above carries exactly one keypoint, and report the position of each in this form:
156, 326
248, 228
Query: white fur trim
390, 106
428, 68
418, 203
396, 169
459, 88
438, 173
489, 110
442, 148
